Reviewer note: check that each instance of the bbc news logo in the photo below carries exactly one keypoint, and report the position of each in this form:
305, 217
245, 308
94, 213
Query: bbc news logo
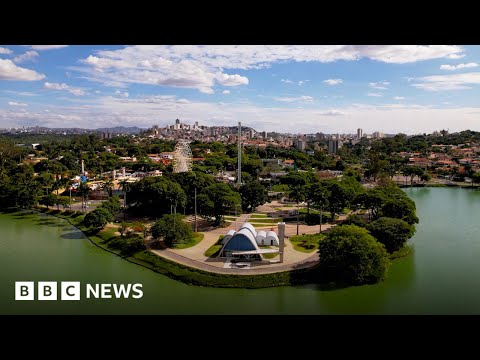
71, 290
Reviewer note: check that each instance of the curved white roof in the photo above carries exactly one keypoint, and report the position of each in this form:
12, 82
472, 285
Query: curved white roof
272, 234
250, 227
242, 240
261, 235
227, 236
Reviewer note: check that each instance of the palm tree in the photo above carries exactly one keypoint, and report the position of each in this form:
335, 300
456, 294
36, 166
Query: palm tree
108, 187
84, 190
297, 193
125, 186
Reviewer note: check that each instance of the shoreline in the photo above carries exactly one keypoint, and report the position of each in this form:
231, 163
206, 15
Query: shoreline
194, 276
200, 277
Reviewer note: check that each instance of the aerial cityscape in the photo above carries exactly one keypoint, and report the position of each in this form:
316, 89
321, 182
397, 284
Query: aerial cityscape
346, 175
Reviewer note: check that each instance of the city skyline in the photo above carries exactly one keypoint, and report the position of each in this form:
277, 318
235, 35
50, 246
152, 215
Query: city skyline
296, 89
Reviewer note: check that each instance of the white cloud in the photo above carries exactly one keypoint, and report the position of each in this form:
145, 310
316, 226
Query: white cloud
160, 110
398, 98
97, 91
47, 47
5, 51
20, 93
302, 82
380, 85
226, 92
122, 94
197, 67
448, 82
231, 80
374, 94
303, 98
27, 56
332, 112
287, 81
14, 103
333, 82
10, 71
455, 56
57, 86
458, 67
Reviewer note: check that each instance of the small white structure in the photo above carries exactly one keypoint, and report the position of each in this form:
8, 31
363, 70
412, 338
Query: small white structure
272, 238
227, 237
261, 236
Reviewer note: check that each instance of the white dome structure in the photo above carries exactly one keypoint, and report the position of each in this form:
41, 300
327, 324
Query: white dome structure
227, 237
250, 227
272, 238
261, 236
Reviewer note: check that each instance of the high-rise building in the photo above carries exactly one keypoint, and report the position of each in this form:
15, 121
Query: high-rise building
378, 135
264, 135
300, 144
334, 145
359, 133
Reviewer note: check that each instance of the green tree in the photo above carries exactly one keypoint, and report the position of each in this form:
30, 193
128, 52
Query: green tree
216, 199
476, 178
48, 200
62, 200
172, 229
253, 194
297, 193
355, 219
341, 195
98, 218
393, 233
401, 208
425, 177
112, 205
107, 186
351, 255
84, 191
126, 187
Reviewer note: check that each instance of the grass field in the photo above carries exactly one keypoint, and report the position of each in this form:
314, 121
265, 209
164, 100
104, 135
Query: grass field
197, 237
306, 243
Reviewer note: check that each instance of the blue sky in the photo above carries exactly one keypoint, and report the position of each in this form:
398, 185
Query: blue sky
410, 89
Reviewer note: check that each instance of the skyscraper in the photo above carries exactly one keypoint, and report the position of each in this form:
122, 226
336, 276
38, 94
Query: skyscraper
334, 145
359, 133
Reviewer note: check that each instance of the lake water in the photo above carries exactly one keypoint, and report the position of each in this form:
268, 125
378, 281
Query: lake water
442, 276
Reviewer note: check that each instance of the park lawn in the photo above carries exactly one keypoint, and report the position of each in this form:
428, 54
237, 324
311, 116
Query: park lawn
279, 187
306, 243
215, 248
265, 221
258, 216
197, 237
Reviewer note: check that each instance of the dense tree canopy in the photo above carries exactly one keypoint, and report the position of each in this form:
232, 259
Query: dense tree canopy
393, 233
172, 229
98, 218
350, 254
215, 200
253, 194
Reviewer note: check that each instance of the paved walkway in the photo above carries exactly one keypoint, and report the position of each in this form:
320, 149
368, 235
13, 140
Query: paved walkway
293, 259
257, 268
